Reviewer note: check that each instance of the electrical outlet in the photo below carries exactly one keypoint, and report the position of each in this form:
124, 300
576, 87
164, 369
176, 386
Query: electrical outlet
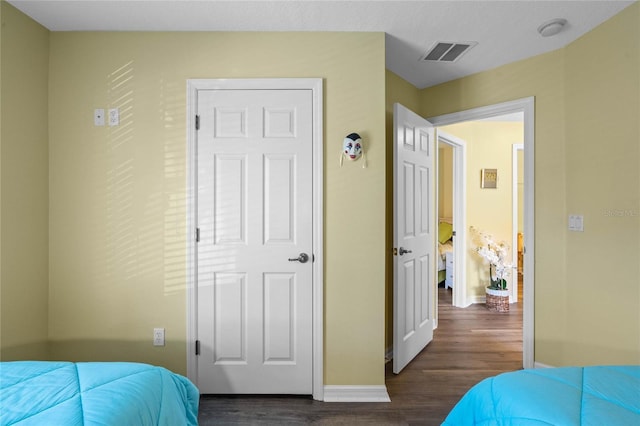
98, 117
114, 117
158, 337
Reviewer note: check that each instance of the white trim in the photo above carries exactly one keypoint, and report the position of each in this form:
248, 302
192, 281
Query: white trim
318, 239
459, 216
316, 86
541, 365
192, 208
527, 106
513, 297
349, 393
477, 299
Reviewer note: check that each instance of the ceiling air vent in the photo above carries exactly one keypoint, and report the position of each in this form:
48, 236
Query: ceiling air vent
444, 51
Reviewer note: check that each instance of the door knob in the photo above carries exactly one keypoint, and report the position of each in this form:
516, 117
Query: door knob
403, 251
302, 258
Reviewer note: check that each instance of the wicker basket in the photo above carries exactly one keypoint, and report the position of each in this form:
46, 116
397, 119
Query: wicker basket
497, 300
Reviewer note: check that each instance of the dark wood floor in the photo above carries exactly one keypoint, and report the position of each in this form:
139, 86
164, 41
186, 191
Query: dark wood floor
469, 345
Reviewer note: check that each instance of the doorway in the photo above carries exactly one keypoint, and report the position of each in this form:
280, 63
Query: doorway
452, 208
272, 314
526, 107
517, 234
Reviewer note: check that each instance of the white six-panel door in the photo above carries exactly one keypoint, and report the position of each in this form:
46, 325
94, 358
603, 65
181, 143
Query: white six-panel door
254, 298
414, 233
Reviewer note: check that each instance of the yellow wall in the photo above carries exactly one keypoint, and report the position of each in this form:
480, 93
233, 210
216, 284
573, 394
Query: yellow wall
24, 186
489, 145
1, 21
118, 205
520, 181
117, 208
587, 298
603, 184
445, 181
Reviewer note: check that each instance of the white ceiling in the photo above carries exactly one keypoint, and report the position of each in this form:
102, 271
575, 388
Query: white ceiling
506, 30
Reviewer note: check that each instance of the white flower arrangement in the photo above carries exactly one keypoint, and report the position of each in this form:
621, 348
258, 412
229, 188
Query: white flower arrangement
495, 253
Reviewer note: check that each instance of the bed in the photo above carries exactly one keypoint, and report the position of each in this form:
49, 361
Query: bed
94, 393
599, 395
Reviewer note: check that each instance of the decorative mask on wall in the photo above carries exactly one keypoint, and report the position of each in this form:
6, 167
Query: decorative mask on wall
352, 149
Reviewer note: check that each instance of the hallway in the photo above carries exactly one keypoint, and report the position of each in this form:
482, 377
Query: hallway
469, 345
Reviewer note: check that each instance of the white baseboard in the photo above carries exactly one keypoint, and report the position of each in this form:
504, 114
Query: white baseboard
537, 364
350, 393
476, 299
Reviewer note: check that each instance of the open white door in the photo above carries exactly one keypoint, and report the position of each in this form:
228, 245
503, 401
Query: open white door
414, 230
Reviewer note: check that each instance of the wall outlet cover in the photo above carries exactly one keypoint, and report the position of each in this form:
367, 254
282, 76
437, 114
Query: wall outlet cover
158, 337
98, 117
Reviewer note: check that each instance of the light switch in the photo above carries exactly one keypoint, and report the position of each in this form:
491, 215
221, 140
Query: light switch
576, 223
114, 117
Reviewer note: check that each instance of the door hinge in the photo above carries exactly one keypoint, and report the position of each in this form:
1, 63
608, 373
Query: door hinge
395, 251
197, 235
197, 347
197, 122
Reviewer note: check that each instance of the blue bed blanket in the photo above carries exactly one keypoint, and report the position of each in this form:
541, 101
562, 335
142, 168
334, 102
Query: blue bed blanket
95, 393
600, 395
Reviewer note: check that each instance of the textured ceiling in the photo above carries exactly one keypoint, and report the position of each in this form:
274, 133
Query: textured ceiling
506, 31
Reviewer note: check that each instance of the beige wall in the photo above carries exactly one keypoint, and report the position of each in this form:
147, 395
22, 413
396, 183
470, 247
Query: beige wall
117, 209
118, 195
445, 181
587, 298
520, 182
24, 48
603, 184
489, 145
1, 345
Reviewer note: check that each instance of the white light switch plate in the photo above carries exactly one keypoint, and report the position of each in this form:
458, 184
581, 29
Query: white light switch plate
576, 223
114, 117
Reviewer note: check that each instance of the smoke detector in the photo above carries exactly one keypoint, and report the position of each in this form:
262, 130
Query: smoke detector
553, 27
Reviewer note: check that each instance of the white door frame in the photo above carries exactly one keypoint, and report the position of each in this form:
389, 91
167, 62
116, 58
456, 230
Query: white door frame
526, 106
513, 297
459, 146
316, 86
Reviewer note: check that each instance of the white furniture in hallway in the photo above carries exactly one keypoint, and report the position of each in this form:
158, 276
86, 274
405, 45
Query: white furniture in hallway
448, 281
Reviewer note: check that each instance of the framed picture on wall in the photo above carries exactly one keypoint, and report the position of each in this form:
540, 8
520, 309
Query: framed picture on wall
489, 178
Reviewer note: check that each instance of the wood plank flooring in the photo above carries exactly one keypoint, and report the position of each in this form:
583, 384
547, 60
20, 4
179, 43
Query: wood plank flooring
469, 345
